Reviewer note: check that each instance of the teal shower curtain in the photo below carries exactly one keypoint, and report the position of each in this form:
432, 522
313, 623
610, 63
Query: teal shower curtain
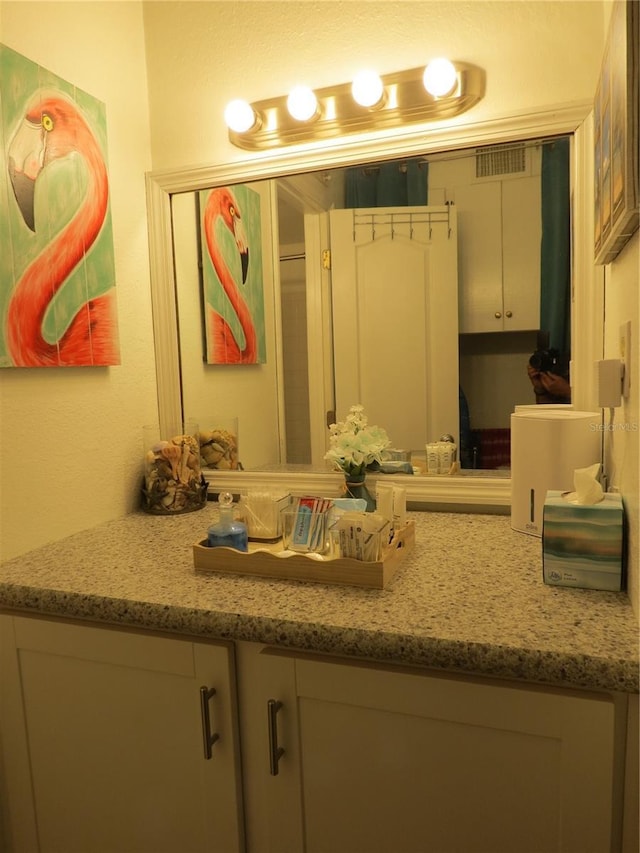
388, 185
555, 259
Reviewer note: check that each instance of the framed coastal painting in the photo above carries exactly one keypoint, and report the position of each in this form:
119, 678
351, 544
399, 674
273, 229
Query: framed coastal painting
616, 116
57, 271
232, 276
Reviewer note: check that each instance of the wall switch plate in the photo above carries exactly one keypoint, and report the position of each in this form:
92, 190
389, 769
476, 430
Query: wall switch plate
625, 355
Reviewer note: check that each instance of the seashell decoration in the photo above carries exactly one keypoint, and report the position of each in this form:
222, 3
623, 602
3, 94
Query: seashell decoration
219, 448
173, 481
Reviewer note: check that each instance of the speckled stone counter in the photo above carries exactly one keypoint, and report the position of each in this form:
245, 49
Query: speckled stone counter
470, 598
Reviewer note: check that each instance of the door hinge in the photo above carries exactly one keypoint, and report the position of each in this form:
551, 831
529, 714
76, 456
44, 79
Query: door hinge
326, 259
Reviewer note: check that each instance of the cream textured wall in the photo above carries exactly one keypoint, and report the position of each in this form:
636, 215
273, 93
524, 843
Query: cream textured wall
70, 439
622, 439
201, 54
209, 394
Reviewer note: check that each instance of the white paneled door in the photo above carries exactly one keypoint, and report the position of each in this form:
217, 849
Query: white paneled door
394, 290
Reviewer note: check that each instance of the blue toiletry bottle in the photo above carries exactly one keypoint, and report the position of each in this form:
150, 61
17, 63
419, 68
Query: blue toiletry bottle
227, 532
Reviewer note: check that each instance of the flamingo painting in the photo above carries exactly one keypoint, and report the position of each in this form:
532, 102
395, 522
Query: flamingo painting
230, 314
61, 310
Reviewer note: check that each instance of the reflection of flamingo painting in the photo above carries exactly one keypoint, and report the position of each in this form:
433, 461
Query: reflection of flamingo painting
52, 129
224, 348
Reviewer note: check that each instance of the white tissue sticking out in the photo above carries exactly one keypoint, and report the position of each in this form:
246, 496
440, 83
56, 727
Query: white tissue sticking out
588, 490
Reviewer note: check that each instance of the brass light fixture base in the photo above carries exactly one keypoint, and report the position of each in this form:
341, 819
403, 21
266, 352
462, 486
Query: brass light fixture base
405, 102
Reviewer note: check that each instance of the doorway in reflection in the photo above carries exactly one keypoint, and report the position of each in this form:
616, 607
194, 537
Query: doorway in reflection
493, 376
293, 297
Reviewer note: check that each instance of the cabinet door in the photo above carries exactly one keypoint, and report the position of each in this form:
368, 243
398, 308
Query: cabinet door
445, 765
103, 742
480, 257
499, 255
401, 762
521, 239
273, 800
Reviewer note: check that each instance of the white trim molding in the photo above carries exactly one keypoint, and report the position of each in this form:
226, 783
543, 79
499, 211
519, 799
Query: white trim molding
453, 492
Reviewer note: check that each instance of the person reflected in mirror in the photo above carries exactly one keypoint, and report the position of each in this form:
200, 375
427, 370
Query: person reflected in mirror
548, 373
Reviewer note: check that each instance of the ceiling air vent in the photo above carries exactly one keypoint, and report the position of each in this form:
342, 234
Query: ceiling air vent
500, 160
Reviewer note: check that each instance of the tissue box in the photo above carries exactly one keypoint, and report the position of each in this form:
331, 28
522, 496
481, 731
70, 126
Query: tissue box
582, 546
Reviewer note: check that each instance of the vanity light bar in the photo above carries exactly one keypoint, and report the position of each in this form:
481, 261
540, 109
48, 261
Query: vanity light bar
405, 101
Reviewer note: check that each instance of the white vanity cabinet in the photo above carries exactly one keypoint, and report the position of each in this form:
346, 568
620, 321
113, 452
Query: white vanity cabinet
379, 759
103, 737
103, 747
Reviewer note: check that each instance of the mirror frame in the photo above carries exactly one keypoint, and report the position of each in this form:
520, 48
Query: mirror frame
460, 492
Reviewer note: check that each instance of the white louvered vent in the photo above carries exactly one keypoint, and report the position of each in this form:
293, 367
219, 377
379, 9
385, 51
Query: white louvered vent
501, 160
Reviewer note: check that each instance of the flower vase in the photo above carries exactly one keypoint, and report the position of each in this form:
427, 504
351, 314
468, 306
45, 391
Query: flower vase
355, 487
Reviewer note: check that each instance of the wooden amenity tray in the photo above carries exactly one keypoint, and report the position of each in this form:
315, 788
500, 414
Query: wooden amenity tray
262, 561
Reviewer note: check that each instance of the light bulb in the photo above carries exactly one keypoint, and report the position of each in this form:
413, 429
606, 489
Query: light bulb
439, 77
239, 116
367, 88
302, 103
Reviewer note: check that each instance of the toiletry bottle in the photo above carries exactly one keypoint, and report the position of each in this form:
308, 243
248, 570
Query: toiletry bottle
447, 452
227, 531
433, 458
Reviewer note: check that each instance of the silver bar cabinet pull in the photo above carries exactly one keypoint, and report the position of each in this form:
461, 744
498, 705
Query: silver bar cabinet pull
208, 739
275, 752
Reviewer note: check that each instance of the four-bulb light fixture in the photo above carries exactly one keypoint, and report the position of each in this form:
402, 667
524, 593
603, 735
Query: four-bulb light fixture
371, 102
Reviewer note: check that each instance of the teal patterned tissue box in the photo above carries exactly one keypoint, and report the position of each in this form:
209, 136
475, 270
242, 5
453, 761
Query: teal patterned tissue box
583, 546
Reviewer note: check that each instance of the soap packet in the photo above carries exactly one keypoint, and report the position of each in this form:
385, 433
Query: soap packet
304, 525
359, 536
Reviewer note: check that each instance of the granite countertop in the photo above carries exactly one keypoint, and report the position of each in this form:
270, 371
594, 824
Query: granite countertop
469, 599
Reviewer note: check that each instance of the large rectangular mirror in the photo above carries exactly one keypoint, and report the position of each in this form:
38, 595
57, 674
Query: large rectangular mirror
490, 350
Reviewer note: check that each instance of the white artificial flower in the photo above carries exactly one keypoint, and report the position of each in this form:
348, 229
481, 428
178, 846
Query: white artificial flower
353, 444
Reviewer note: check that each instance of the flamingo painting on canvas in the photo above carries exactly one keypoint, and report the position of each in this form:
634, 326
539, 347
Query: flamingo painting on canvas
232, 276
59, 306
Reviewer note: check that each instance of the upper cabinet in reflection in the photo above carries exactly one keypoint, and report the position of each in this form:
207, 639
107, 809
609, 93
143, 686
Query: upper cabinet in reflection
497, 194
